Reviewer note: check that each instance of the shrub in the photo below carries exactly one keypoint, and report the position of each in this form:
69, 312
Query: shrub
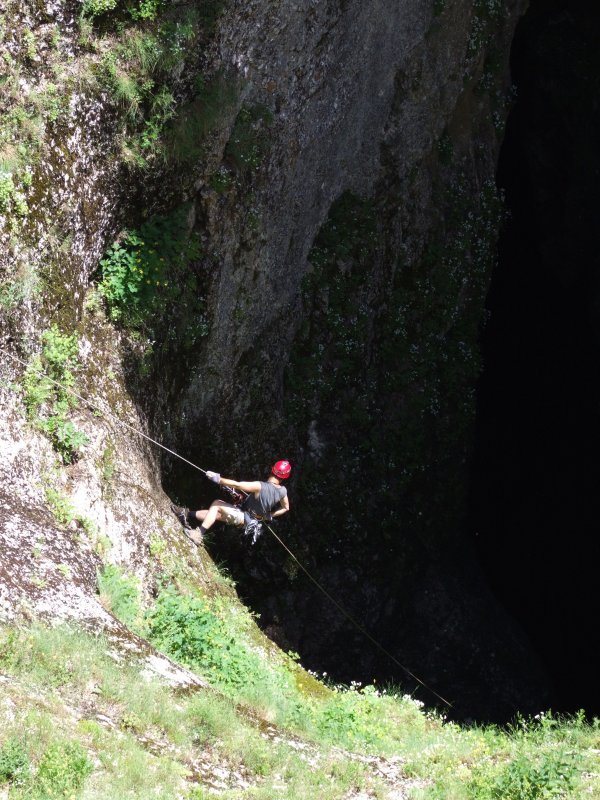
94, 8
48, 401
14, 762
186, 629
12, 200
62, 771
146, 9
147, 270
551, 775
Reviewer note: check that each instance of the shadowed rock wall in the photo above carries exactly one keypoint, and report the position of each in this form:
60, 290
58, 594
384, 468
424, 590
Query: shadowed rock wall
339, 174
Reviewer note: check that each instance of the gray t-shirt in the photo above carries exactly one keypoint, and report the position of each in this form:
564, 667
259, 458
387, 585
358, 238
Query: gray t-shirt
270, 496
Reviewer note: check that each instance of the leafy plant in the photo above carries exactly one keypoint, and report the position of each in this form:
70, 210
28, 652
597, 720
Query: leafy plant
550, 775
12, 199
94, 8
61, 772
188, 630
146, 270
146, 9
14, 762
48, 401
60, 505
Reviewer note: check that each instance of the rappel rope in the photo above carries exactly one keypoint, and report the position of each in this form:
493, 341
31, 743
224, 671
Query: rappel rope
355, 622
102, 411
321, 588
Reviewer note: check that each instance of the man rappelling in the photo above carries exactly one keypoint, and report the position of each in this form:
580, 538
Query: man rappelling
255, 502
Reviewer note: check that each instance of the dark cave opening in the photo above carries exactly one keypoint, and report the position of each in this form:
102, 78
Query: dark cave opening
535, 502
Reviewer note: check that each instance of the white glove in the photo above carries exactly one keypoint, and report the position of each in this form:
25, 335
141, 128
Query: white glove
213, 476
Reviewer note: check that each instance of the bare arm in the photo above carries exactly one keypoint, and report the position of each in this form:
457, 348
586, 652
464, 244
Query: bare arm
285, 507
250, 487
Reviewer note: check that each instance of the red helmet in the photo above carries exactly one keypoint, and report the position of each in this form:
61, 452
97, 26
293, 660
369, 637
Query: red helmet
282, 469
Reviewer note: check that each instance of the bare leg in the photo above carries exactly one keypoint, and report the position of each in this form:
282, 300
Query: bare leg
210, 516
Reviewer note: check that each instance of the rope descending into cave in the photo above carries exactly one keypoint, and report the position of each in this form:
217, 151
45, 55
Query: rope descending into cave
354, 621
321, 588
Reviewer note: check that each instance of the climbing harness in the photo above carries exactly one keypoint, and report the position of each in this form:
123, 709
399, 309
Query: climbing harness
313, 580
253, 526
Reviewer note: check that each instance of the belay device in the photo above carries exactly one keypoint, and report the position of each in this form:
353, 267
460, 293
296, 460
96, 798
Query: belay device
253, 527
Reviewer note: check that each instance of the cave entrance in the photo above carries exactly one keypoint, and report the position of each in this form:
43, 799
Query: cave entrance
535, 497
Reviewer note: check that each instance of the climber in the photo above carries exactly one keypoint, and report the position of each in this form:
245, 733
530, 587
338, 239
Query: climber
265, 501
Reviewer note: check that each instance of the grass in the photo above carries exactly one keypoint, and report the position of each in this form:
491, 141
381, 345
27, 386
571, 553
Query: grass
544, 757
132, 50
154, 736
88, 725
137, 69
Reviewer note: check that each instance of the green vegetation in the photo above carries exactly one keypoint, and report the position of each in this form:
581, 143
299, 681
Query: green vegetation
330, 353
394, 340
445, 148
95, 8
144, 10
249, 142
106, 465
184, 138
137, 69
329, 372
131, 49
49, 404
147, 271
120, 594
187, 629
65, 512
28, 108
14, 762
62, 771
23, 286
12, 200
485, 14
530, 778
139, 738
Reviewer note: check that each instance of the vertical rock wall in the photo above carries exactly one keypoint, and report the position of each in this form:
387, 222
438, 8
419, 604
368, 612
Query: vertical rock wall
343, 193
353, 262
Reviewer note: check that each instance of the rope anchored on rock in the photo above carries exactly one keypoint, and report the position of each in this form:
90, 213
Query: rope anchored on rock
354, 622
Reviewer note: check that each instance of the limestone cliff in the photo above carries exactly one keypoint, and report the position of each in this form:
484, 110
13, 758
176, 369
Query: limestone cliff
334, 164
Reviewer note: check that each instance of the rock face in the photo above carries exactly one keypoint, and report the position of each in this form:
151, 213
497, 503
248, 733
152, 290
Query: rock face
339, 173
